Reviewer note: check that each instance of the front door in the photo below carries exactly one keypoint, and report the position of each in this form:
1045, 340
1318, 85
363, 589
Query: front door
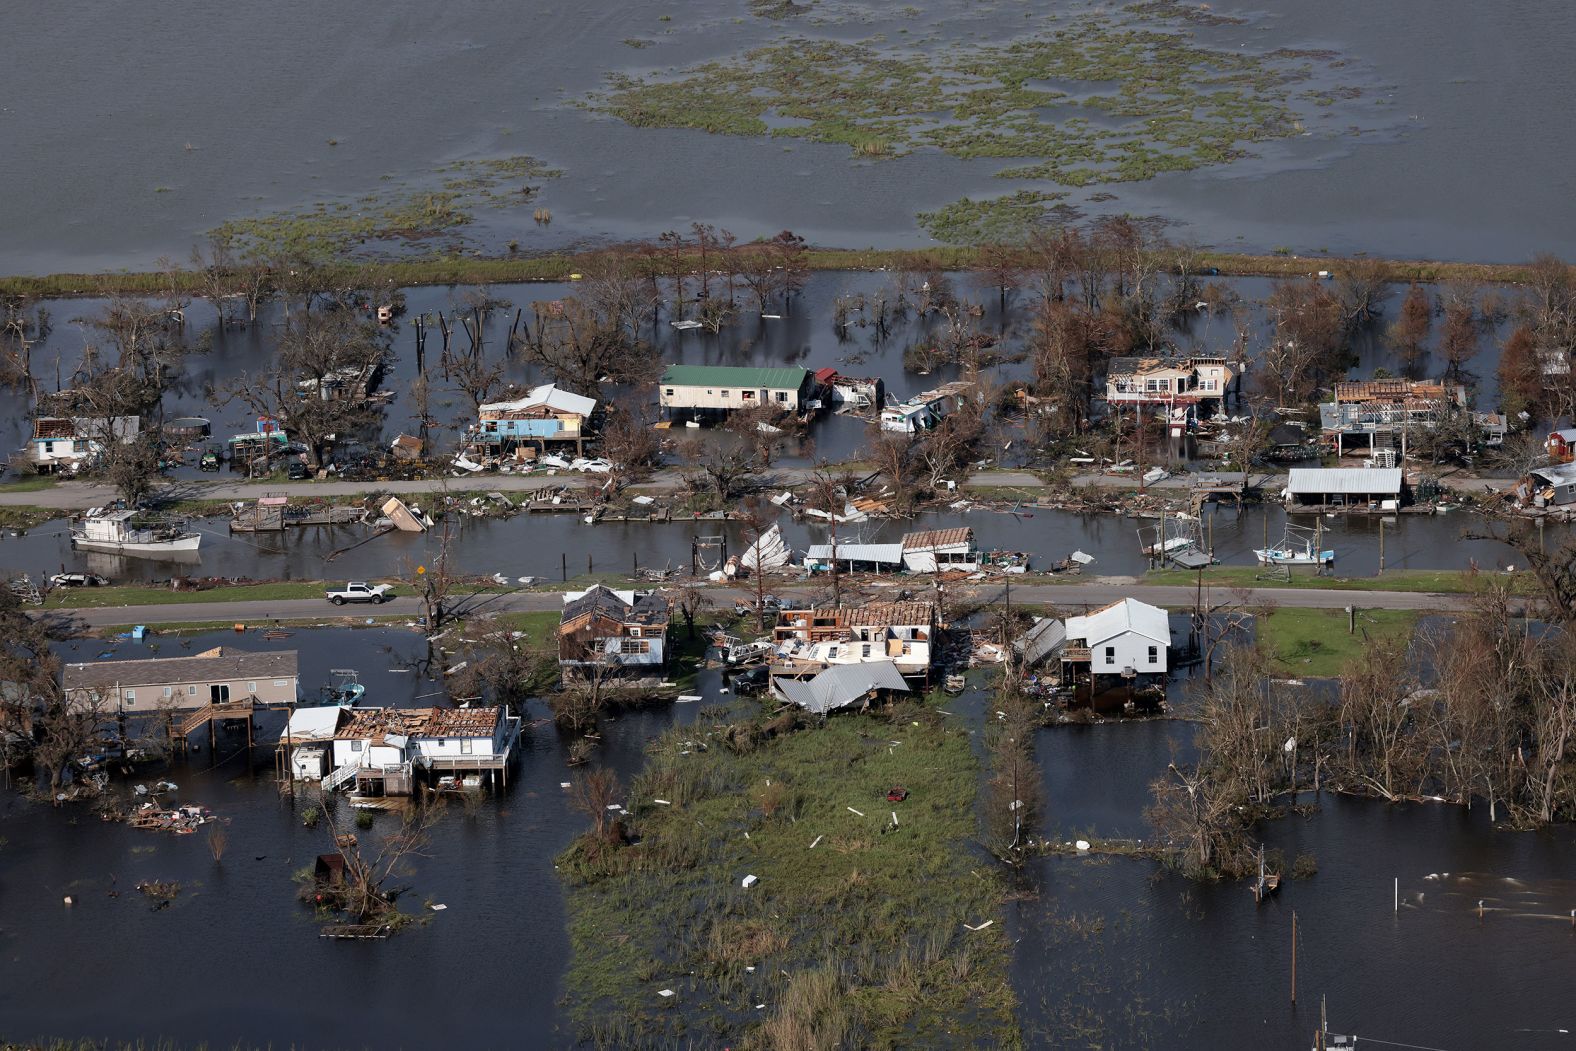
219, 693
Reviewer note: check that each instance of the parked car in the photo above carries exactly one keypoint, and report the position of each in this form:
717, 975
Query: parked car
298, 471
360, 591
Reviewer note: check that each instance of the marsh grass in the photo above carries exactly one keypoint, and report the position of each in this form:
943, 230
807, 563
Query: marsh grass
857, 941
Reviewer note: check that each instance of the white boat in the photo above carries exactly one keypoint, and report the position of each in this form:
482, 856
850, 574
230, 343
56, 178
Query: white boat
114, 531
1298, 547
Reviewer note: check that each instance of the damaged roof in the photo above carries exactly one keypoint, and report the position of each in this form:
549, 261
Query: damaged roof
938, 538
375, 723
631, 607
842, 685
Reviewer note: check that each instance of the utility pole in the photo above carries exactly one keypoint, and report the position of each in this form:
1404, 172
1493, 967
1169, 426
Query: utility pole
1294, 957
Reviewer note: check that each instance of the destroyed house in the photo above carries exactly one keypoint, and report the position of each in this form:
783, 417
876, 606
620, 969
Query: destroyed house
702, 389
58, 442
811, 640
217, 676
547, 414
1377, 414
842, 686
924, 412
941, 550
604, 628
1551, 486
1167, 381
859, 393
381, 749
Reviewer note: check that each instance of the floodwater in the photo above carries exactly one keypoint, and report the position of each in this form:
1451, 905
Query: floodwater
1112, 950
552, 546
806, 336
1448, 153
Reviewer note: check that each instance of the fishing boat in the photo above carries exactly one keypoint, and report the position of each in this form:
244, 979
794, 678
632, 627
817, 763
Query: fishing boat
117, 532
1299, 547
1267, 883
343, 688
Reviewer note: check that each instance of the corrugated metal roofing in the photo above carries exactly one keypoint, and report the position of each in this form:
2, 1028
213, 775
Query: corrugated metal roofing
842, 685
733, 376
892, 553
1344, 481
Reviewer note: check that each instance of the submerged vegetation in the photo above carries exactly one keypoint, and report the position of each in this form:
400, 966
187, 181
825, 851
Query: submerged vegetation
1083, 100
403, 213
852, 932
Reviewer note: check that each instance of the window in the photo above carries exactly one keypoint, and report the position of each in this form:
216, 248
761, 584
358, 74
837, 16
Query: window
634, 633
866, 652
670, 392
634, 646
1154, 655
355, 746
168, 691
726, 393
191, 691
748, 395
782, 395
218, 693
251, 688
281, 682
131, 696
442, 742
1110, 654
465, 746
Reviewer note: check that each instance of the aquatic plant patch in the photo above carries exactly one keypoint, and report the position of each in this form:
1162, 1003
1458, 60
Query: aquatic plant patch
399, 215
1081, 100
764, 889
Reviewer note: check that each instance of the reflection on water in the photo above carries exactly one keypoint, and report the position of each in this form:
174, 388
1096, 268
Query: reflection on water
1109, 952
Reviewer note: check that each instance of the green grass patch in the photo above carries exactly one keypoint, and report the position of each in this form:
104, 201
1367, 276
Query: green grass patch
1442, 581
1315, 643
30, 483
873, 917
449, 269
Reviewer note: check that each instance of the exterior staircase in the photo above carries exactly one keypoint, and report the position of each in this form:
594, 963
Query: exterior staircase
340, 776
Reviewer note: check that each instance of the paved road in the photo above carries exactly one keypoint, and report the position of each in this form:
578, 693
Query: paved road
1096, 593
79, 495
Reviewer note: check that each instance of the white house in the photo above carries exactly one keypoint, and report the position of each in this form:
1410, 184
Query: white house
842, 685
924, 412
68, 444
695, 389
381, 749
1125, 638
1167, 381
941, 550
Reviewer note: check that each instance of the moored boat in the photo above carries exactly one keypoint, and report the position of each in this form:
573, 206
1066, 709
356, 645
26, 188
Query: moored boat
117, 532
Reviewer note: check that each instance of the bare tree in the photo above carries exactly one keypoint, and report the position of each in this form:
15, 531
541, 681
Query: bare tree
366, 894
300, 392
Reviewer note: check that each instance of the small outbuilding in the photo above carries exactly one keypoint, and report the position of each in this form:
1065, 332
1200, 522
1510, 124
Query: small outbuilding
1345, 486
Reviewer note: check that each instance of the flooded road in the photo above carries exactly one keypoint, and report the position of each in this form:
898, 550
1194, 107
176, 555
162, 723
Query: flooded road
551, 546
1111, 950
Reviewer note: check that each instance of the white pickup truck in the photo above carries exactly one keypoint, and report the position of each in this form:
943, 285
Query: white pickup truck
360, 591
